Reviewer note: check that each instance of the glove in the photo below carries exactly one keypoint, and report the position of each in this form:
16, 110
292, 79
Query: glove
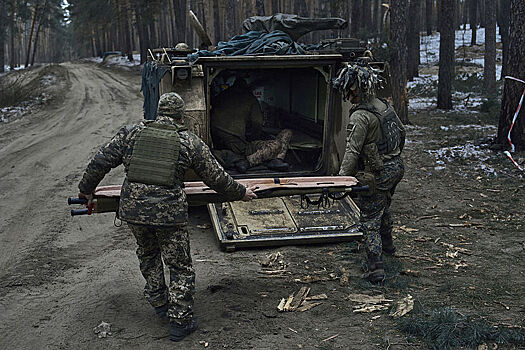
369, 179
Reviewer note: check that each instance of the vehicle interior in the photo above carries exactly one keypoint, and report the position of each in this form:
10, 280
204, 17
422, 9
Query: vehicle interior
288, 98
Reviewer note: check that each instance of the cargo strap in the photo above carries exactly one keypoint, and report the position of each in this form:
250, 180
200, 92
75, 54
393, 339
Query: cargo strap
155, 155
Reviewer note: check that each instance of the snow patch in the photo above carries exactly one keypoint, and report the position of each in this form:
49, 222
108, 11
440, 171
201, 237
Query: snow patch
48, 80
430, 43
468, 151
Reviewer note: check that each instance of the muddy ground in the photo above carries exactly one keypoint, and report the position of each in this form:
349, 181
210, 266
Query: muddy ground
459, 228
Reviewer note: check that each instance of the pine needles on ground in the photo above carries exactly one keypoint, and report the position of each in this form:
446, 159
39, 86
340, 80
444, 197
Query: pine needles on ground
446, 328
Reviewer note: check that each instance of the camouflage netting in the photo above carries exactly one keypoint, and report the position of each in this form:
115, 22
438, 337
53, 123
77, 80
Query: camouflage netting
358, 76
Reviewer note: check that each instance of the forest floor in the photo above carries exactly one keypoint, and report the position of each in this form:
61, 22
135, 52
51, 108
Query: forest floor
459, 229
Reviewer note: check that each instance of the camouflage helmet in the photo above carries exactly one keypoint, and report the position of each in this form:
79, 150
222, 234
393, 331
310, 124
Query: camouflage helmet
358, 76
182, 47
171, 105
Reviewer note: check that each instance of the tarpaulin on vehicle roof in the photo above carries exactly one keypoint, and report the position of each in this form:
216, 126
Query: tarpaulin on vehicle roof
252, 43
292, 25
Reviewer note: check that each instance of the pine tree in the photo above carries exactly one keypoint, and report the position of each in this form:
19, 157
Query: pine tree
428, 15
489, 72
473, 14
446, 54
413, 39
398, 56
513, 90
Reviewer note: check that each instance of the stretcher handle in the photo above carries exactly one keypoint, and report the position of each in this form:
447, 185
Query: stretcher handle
71, 200
358, 189
76, 212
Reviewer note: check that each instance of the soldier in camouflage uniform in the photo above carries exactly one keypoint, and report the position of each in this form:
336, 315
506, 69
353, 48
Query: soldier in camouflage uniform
237, 123
156, 156
375, 139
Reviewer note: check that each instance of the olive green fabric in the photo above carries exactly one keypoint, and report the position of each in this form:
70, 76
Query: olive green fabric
367, 179
155, 155
390, 125
363, 135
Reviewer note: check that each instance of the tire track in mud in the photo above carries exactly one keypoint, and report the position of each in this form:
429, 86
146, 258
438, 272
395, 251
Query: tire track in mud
61, 139
44, 254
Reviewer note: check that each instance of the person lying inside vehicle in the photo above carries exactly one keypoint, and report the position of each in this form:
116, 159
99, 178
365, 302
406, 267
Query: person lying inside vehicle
237, 126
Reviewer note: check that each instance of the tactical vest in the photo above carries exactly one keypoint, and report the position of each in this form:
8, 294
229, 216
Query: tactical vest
390, 127
155, 155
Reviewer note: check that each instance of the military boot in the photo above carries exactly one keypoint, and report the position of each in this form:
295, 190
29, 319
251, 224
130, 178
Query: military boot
388, 245
242, 166
376, 271
179, 332
161, 312
277, 164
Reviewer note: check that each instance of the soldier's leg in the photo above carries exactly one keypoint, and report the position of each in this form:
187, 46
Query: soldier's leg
262, 151
148, 252
386, 227
175, 246
391, 174
372, 210
284, 138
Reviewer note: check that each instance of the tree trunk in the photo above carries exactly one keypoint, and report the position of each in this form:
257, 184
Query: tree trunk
464, 14
230, 24
446, 55
398, 56
481, 12
428, 15
489, 73
35, 14
275, 7
378, 18
3, 34
259, 6
127, 34
413, 39
38, 32
12, 33
180, 19
355, 17
505, 35
473, 14
366, 23
513, 90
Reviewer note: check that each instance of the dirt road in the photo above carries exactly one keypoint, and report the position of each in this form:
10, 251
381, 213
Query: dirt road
61, 276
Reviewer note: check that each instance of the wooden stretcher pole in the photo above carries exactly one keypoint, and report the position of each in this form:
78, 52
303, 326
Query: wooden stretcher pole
106, 198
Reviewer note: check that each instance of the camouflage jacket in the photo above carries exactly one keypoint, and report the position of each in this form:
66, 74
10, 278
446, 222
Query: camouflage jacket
363, 131
152, 204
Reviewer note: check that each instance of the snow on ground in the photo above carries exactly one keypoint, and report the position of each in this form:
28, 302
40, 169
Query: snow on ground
447, 155
116, 61
470, 62
430, 44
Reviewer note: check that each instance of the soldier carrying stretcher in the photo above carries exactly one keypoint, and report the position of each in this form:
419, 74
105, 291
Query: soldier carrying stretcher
375, 139
156, 155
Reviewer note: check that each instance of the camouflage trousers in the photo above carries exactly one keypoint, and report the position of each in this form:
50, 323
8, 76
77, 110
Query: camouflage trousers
376, 219
261, 151
171, 245
256, 152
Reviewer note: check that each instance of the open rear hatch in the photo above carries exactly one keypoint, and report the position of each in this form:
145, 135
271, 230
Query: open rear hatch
283, 221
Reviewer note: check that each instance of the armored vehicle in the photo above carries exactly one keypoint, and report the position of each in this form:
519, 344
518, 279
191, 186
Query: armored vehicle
293, 92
